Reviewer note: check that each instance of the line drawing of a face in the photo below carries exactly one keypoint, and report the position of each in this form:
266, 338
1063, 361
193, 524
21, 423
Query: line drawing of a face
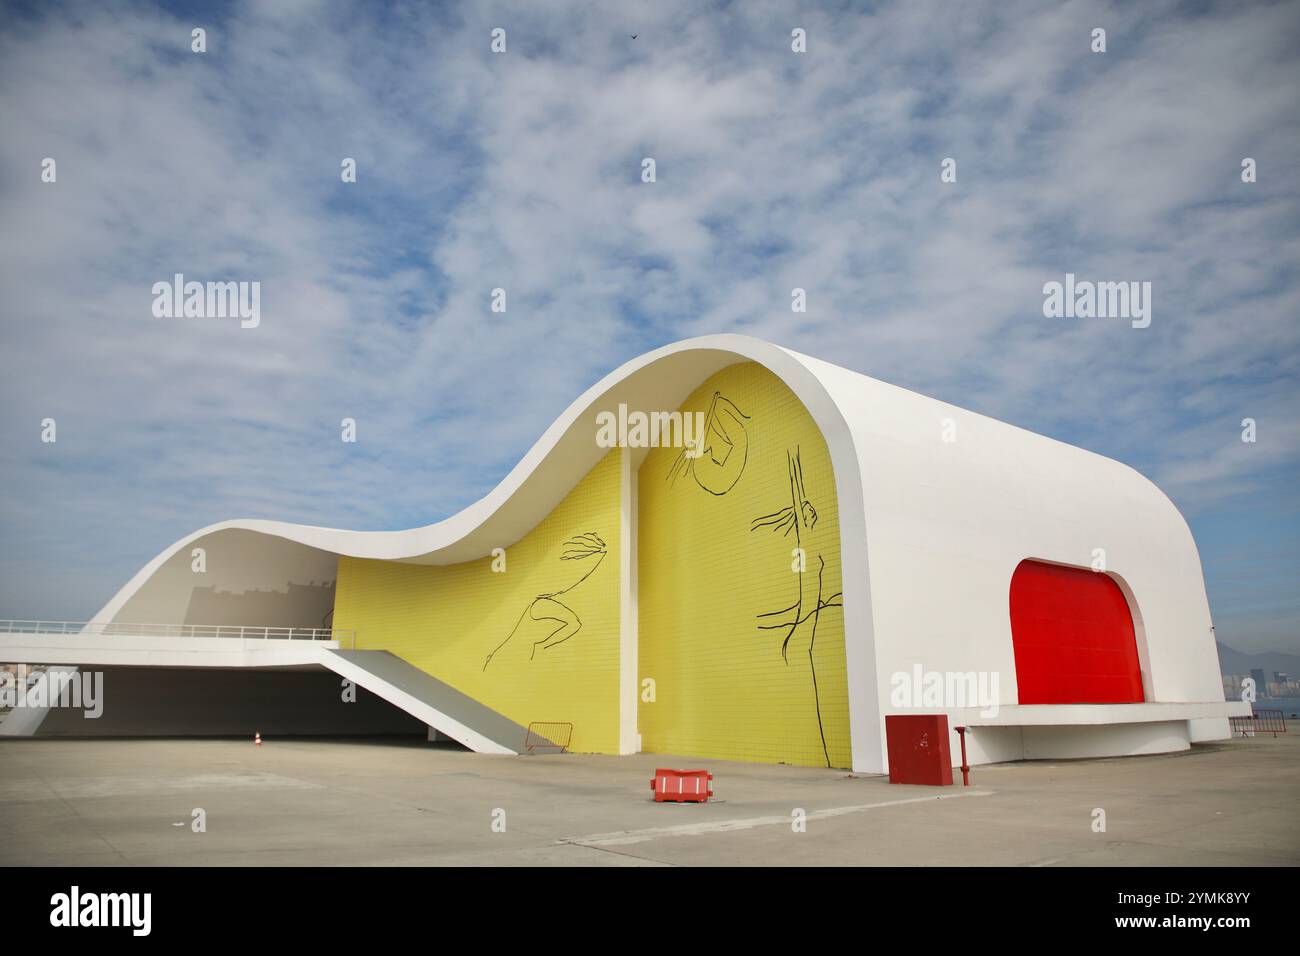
725, 450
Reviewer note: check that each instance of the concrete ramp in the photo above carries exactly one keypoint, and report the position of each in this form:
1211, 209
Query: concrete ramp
386, 676
439, 705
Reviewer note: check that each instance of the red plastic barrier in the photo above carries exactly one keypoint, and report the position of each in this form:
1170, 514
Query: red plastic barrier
682, 786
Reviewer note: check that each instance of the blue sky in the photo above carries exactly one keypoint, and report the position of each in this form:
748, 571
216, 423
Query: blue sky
522, 170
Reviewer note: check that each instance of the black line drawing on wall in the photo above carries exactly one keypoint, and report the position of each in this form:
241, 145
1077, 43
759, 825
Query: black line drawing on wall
549, 607
726, 449
800, 516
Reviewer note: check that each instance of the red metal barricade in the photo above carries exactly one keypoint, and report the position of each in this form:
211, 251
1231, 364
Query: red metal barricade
1259, 722
682, 786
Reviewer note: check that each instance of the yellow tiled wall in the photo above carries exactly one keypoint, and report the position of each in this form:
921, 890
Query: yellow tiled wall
722, 685
718, 589
447, 620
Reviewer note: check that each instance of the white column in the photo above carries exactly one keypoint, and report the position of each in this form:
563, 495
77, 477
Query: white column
629, 741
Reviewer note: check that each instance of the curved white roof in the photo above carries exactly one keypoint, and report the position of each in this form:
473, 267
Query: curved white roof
549, 470
931, 529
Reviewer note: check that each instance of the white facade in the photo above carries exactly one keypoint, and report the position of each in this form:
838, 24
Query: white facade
931, 531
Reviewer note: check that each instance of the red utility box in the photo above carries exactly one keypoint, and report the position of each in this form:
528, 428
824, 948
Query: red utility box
918, 749
682, 786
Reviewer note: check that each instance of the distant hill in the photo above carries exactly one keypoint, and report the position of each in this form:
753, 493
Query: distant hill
1233, 661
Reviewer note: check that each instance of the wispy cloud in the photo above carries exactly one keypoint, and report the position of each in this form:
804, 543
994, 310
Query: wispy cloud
521, 171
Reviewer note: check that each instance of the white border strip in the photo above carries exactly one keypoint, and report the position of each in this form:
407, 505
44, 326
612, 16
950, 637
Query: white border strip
624, 837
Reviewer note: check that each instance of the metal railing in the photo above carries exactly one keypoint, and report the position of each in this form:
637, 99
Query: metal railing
549, 735
1261, 721
115, 629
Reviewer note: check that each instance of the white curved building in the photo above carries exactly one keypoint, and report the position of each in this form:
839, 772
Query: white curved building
835, 550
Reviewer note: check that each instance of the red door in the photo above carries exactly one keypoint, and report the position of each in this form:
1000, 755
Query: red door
1073, 637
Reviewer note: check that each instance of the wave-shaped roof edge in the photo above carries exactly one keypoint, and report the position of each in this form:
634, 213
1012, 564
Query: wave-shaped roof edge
566, 451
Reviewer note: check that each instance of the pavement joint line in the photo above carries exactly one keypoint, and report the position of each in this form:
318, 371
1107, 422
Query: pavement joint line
81, 818
625, 837
625, 854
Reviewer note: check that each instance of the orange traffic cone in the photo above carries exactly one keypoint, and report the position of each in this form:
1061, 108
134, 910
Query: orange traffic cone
257, 738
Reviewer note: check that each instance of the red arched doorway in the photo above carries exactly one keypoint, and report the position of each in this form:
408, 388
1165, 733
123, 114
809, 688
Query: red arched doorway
1073, 635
